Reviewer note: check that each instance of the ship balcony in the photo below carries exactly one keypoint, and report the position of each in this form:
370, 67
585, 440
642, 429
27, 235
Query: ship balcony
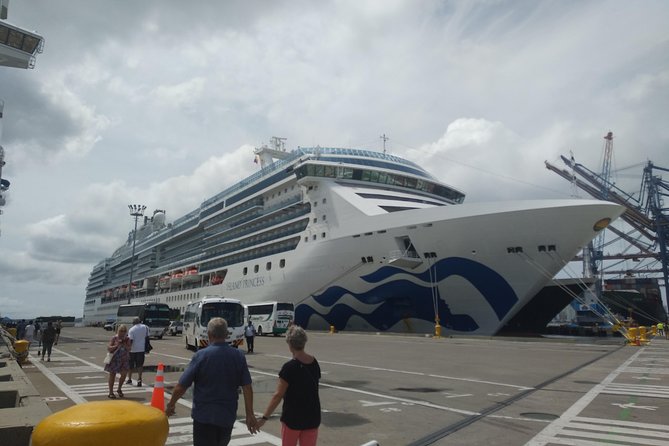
404, 259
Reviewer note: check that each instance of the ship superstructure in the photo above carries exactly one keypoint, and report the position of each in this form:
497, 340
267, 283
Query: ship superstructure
356, 239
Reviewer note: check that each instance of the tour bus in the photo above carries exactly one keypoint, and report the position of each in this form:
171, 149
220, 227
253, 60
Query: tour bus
154, 315
199, 313
271, 317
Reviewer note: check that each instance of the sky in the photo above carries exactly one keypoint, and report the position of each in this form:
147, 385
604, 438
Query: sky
162, 102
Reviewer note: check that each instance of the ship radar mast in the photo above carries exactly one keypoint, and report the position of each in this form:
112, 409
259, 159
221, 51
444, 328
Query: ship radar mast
267, 154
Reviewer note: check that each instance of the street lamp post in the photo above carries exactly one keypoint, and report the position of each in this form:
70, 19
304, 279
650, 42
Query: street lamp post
137, 211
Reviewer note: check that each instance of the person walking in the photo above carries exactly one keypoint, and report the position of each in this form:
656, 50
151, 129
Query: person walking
58, 327
217, 372
38, 336
29, 333
298, 388
48, 338
249, 333
138, 335
120, 362
20, 329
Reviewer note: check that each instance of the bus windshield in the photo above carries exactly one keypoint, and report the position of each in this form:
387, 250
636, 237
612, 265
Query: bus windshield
157, 315
232, 313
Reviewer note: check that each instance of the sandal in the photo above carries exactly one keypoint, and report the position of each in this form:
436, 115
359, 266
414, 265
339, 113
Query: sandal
111, 396
120, 393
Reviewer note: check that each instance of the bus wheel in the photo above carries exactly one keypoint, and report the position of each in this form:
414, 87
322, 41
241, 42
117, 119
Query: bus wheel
259, 330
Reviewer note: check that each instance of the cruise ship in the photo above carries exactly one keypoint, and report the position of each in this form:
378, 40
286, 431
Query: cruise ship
357, 240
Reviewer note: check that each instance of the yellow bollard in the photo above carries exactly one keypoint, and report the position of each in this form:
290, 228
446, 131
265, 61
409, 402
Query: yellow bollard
437, 331
103, 423
332, 329
643, 331
12, 331
632, 334
21, 348
653, 330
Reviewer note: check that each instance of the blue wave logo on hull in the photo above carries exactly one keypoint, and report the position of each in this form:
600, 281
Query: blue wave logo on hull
402, 299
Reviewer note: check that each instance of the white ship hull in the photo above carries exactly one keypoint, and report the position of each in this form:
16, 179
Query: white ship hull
487, 261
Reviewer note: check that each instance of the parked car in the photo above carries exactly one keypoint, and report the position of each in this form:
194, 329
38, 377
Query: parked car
109, 325
175, 328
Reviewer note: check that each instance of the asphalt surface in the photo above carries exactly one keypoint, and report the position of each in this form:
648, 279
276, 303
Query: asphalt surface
415, 390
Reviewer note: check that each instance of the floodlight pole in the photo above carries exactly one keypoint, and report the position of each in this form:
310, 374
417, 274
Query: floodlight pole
136, 211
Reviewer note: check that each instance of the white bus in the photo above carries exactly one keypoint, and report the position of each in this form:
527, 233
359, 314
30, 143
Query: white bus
199, 313
154, 315
271, 317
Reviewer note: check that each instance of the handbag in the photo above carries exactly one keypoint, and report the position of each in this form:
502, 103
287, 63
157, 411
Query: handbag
108, 358
147, 345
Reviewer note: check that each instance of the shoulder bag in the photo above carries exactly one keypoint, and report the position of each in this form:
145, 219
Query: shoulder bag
147, 343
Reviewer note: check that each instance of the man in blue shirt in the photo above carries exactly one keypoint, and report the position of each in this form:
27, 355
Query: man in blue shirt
217, 371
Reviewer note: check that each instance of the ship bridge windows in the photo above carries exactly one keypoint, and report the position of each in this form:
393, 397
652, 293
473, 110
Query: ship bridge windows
398, 198
374, 176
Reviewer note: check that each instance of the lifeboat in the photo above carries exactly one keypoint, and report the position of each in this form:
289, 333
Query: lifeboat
164, 282
217, 279
177, 278
191, 275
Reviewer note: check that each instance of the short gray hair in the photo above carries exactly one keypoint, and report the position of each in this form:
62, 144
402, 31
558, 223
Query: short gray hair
296, 337
135, 320
217, 328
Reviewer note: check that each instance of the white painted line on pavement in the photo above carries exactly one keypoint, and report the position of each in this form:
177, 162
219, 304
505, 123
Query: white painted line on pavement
550, 433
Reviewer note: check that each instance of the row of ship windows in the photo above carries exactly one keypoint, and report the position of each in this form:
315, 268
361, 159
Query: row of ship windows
314, 237
278, 194
374, 176
268, 267
188, 296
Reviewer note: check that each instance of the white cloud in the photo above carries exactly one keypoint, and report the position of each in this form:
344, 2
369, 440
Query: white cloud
479, 93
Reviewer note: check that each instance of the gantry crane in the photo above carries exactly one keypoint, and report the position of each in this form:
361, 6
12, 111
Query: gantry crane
646, 213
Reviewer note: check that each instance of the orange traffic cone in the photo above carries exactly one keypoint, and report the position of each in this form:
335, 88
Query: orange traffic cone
158, 397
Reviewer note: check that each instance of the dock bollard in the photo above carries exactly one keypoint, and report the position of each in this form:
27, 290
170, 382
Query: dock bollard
21, 349
642, 335
332, 329
632, 335
103, 423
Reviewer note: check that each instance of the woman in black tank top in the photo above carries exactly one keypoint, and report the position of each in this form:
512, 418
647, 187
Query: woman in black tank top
298, 388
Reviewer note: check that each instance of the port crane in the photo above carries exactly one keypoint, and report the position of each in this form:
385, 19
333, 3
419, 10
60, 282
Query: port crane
645, 212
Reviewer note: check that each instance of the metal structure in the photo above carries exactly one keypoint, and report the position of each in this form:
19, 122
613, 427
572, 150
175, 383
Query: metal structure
4, 184
645, 212
136, 211
656, 190
18, 48
595, 249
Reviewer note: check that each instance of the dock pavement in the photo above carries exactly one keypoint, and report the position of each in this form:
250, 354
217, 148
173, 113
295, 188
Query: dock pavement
414, 390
